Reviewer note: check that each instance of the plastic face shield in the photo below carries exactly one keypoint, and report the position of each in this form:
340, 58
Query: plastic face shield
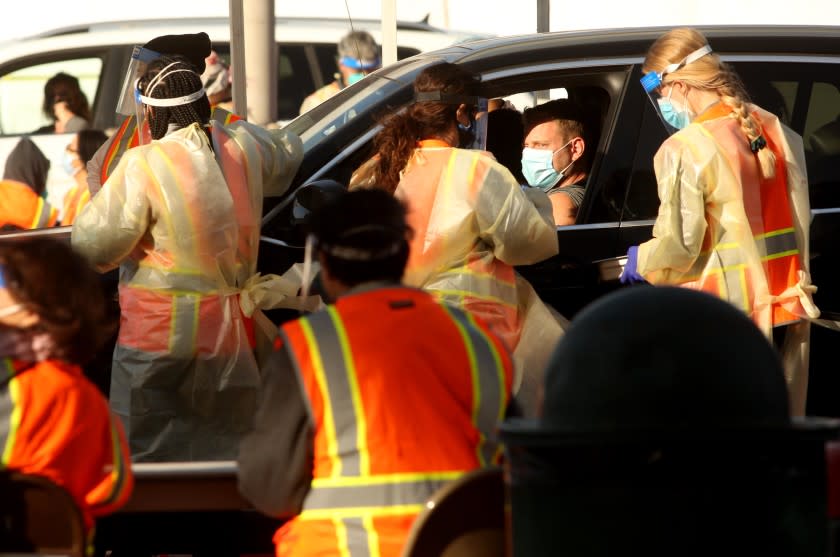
140, 59
652, 84
477, 106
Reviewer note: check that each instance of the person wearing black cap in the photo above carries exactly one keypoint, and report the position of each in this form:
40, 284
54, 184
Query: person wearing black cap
370, 405
195, 47
181, 217
672, 436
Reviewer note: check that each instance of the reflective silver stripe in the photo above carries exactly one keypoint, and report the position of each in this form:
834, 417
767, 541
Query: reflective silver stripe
7, 405
479, 282
413, 492
182, 332
779, 245
358, 537
339, 391
44, 216
487, 393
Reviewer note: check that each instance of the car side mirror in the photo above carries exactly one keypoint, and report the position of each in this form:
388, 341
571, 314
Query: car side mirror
311, 197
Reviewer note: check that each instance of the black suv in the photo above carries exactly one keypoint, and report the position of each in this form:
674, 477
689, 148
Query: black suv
791, 71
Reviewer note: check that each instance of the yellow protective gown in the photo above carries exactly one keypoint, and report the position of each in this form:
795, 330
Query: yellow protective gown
712, 208
183, 224
472, 223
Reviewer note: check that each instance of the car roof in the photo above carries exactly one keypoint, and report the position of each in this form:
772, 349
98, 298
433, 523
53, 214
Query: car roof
618, 42
418, 35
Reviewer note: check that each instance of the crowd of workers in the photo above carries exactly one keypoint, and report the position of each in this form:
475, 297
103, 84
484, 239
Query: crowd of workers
428, 340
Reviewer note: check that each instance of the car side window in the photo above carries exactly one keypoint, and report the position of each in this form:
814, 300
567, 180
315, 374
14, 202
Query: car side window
22, 92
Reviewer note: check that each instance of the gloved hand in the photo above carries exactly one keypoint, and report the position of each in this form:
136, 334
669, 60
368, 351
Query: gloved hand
629, 274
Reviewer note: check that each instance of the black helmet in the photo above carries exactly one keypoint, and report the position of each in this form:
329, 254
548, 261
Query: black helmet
665, 430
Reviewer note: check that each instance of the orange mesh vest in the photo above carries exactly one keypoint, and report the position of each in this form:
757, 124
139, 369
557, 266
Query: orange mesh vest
405, 395
55, 423
20, 206
781, 257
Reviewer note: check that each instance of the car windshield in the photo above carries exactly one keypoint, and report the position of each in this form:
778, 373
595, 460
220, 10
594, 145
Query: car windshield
371, 94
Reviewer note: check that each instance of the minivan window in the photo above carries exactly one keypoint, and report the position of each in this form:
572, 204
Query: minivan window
22, 92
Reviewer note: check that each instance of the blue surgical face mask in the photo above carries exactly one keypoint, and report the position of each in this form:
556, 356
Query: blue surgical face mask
674, 116
538, 169
355, 78
67, 164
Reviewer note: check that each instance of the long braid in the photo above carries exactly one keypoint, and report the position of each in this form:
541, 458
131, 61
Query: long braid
173, 85
732, 93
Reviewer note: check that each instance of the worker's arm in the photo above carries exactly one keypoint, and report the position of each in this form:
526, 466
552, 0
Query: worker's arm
276, 457
114, 487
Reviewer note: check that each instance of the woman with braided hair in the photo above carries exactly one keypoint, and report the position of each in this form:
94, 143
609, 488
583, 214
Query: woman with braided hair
181, 217
734, 209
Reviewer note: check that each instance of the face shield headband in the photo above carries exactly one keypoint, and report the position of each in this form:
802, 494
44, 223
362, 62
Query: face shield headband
157, 80
359, 64
652, 83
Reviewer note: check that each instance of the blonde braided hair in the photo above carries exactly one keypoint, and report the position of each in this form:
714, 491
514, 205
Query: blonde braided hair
708, 73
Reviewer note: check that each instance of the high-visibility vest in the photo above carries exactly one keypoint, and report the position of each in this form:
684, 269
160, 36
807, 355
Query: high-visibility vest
405, 395
126, 137
21, 206
774, 234
55, 423
76, 198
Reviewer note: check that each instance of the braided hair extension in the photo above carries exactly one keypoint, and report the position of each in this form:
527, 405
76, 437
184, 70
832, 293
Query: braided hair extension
175, 83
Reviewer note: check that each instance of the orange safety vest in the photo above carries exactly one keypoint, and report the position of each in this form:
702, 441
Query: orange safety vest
405, 395
55, 423
126, 137
74, 201
21, 206
776, 233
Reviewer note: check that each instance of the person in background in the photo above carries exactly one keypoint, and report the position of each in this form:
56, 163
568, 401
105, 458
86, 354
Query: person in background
53, 421
555, 158
358, 55
734, 210
473, 222
65, 105
181, 217
196, 48
505, 133
23, 189
216, 79
80, 150
354, 434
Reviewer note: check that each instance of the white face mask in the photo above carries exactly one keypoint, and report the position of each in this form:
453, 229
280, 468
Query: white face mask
538, 167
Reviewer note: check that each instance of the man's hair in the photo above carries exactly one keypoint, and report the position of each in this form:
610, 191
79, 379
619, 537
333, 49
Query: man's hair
76, 313
359, 45
568, 114
65, 87
363, 236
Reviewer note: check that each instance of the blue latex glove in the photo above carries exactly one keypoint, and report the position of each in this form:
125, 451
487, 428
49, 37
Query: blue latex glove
629, 274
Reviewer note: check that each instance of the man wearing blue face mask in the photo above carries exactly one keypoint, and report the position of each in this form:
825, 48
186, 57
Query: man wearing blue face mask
555, 159
358, 55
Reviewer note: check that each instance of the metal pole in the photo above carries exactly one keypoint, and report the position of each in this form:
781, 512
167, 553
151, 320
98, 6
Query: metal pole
261, 60
543, 11
389, 32
237, 58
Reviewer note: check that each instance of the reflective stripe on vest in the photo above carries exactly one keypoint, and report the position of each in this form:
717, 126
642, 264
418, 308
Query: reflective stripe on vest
124, 138
10, 411
43, 214
351, 486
